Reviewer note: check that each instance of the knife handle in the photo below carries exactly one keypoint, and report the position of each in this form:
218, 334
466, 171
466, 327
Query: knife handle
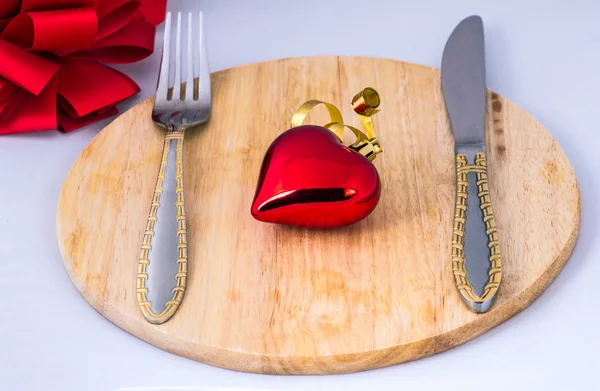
167, 220
479, 188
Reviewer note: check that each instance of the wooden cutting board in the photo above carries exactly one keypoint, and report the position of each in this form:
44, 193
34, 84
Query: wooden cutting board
273, 299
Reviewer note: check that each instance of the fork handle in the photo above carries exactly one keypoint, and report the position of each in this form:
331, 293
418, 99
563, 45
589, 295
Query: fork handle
162, 245
472, 181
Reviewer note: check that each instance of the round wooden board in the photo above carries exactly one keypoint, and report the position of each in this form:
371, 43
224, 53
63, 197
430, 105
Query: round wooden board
273, 299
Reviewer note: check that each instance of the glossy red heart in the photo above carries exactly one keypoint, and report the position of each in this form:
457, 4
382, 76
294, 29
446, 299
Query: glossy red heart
310, 179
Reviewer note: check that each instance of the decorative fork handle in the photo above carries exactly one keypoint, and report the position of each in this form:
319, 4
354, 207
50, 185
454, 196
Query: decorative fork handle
472, 181
167, 211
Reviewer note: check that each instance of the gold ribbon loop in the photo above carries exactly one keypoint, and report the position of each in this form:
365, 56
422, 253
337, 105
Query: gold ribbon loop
365, 104
302, 112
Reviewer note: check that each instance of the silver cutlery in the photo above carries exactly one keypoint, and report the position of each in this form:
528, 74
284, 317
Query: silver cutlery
475, 244
162, 268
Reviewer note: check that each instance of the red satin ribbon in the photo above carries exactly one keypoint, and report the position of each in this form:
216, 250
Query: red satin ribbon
52, 52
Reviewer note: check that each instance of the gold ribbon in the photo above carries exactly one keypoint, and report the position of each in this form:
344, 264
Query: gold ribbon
365, 104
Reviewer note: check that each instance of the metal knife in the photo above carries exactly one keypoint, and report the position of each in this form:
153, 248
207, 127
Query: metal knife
475, 245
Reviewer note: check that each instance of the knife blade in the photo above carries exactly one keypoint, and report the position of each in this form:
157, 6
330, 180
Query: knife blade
476, 260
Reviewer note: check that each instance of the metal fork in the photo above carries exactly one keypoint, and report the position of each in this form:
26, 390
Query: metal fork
162, 268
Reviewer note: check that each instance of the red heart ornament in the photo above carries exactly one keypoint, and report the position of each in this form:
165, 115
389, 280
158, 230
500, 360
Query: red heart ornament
310, 179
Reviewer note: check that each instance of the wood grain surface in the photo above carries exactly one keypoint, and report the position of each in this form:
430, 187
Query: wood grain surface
273, 299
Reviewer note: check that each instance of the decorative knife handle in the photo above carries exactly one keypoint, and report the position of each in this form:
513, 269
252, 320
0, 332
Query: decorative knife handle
479, 188
167, 221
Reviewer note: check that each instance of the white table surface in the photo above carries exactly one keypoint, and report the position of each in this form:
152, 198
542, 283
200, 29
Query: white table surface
543, 55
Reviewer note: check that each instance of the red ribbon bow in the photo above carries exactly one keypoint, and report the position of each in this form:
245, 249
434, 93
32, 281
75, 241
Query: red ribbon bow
52, 52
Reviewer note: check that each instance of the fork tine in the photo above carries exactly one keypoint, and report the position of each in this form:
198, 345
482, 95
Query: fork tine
177, 81
204, 88
189, 89
163, 80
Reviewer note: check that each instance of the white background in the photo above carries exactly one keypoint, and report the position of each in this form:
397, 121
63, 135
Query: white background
543, 55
